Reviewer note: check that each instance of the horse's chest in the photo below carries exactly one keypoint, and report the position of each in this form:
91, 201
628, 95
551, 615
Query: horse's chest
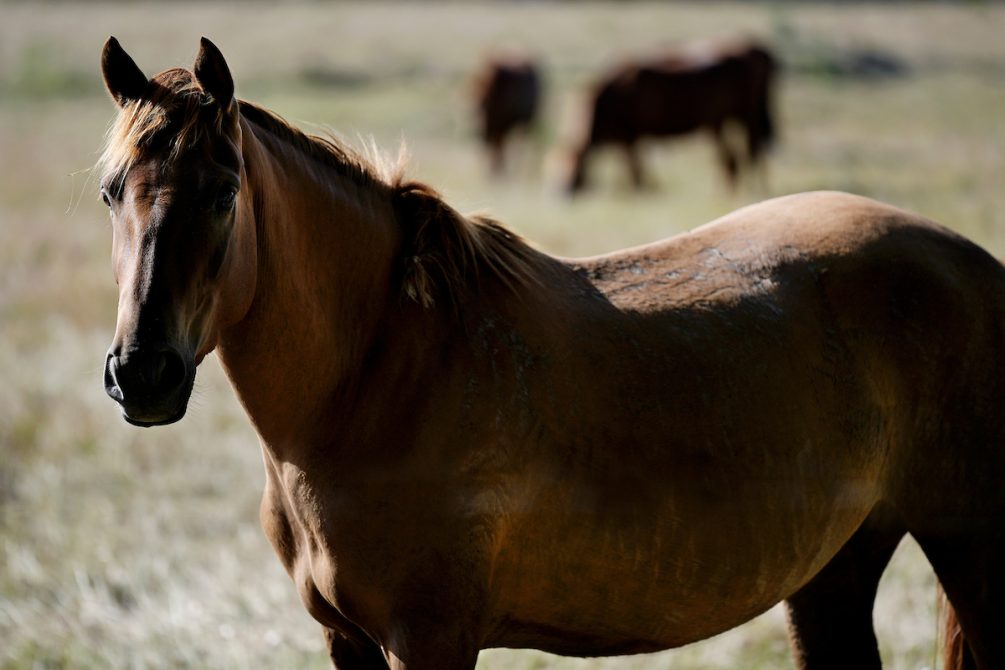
292, 519
335, 547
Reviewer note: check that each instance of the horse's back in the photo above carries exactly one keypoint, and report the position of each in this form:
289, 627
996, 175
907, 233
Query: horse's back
914, 313
822, 231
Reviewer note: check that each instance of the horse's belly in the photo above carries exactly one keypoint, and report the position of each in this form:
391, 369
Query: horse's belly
643, 586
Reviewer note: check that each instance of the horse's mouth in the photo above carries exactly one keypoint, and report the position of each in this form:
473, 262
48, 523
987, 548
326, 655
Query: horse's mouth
157, 412
151, 422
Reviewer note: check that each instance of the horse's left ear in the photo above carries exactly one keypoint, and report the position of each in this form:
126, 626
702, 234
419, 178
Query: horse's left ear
213, 75
124, 80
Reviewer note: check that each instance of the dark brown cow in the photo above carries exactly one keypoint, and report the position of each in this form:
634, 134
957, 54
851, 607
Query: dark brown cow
507, 99
700, 88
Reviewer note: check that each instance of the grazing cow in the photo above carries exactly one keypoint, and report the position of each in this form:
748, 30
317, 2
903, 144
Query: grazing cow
688, 90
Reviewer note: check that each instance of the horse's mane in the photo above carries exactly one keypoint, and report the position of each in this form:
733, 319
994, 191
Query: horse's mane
446, 254
346, 161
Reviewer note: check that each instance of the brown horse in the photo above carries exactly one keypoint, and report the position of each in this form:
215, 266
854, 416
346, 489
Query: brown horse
507, 98
469, 443
698, 88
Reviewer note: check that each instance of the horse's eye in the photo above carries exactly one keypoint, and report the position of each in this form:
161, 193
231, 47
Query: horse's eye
105, 198
225, 199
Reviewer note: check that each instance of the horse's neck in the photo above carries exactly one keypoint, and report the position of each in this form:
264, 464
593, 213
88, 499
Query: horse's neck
326, 246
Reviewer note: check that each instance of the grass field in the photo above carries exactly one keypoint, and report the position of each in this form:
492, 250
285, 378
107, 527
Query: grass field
128, 548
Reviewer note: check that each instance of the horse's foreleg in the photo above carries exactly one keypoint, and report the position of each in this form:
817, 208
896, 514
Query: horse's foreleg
727, 157
353, 652
576, 177
496, 154
830, 617
421, 646
631, 151
756, 163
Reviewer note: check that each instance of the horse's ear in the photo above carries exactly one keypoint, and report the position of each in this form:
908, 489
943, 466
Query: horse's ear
124, 80
213, 75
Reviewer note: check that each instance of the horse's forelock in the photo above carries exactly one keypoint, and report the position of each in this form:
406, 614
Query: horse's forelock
175, 114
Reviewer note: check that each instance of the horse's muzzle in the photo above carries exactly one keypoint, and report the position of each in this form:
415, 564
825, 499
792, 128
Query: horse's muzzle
152, 385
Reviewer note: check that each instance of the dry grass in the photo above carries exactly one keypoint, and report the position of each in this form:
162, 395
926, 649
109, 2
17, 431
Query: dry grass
124, 548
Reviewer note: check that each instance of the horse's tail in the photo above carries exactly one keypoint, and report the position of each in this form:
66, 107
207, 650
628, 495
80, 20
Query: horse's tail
955, 655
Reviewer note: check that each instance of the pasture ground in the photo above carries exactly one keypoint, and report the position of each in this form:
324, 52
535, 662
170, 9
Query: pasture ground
128, 548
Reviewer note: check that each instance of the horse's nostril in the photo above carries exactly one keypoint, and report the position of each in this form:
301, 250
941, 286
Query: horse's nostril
149, 369
111, 384
172, 370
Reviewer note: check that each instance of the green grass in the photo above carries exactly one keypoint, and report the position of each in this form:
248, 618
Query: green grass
127, 548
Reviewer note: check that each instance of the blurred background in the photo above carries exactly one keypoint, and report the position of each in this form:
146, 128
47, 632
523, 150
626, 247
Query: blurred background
130, 548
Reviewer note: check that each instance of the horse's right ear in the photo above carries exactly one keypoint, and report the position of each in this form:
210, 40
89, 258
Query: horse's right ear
213, 75
125, 81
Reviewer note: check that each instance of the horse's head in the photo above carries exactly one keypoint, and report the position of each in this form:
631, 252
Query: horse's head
182, 255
